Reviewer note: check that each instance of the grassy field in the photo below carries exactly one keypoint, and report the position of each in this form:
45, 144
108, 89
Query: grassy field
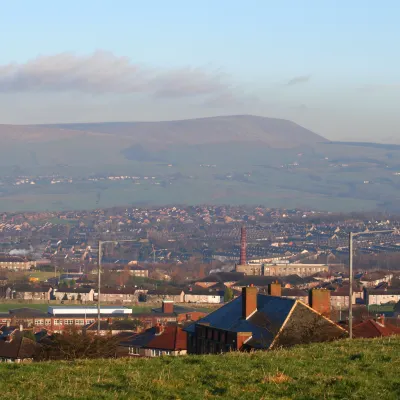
362, 369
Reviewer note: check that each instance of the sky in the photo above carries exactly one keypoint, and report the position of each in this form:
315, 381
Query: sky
331, 66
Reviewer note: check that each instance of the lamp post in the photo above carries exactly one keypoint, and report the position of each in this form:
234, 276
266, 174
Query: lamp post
101, 242
352, 235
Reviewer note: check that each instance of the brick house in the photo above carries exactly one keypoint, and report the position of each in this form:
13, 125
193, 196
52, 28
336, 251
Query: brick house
255, 321
157, 341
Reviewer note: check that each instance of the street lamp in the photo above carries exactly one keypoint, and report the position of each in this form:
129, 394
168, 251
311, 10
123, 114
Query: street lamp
351, 236
101, 242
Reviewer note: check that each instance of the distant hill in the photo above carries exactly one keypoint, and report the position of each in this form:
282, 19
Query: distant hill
239, 128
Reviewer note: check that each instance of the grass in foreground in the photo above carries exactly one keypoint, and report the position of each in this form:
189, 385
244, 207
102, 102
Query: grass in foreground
362, 369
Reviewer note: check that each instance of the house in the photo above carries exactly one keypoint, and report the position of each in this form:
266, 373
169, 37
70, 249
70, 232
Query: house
375, 328
340, 296
297, 294
168, 293
157, 341
203, 295
227, 278
29, 293
125, 295
82, 294
381, 296
16, 263
256, 321
375, 278
17, 349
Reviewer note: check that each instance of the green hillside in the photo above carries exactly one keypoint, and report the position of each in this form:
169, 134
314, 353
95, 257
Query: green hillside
362, 369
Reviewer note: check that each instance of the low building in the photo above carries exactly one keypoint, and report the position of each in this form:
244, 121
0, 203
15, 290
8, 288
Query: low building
29, 293
157, 341
16, 263
301, 270
58, 319
202, 295
125, 295
158, 295
80, 294
381, 296
375, 278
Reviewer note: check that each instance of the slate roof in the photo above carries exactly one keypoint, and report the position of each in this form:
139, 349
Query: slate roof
223, 277
257, 280
18, 348
271, 313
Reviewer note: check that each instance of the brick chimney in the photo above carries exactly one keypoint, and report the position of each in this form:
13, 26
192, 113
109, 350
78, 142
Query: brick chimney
275, 289
320, 301
249, 301
167, 306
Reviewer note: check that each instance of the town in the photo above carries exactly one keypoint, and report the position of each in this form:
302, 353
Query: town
190, 280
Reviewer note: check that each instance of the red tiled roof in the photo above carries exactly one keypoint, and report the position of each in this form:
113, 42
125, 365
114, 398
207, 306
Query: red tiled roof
372, 329
172, 338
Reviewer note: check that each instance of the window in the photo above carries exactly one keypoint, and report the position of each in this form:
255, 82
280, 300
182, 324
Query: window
58, 322
79, 322
133, 350
38, 322
47, 321
68, 322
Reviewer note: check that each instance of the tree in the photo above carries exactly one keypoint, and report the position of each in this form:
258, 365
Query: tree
72, 344
228, 294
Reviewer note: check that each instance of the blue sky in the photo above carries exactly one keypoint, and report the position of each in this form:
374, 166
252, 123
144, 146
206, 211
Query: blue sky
332, 66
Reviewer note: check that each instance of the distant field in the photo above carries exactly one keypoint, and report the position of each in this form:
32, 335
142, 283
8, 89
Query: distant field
358, 370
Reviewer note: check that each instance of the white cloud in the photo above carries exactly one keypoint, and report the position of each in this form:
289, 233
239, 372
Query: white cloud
103, 72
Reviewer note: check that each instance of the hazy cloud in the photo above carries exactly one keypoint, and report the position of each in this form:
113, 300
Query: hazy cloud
298, 79
103, 72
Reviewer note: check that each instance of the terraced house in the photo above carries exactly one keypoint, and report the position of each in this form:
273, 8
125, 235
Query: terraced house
255, 321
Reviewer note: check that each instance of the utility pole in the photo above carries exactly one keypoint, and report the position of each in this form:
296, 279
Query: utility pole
98, 288
351, 285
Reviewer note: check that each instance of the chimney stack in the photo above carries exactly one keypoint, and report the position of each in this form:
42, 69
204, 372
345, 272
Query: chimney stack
167, 306
275, 289
320, 301
243, 246
249, 301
